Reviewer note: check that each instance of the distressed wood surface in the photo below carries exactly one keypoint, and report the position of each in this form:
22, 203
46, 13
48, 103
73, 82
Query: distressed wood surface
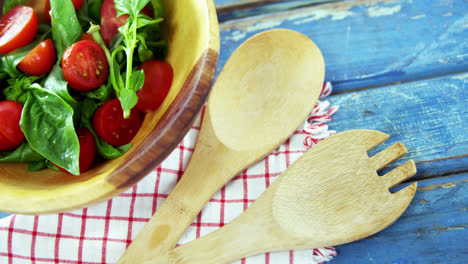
366, 45
432, 230
369, 47
232, 9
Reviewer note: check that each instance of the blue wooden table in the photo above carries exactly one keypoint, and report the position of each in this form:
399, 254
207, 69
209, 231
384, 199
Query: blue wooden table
400, 67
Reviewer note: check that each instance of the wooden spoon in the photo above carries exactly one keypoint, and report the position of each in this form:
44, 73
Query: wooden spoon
331, 195
264, 92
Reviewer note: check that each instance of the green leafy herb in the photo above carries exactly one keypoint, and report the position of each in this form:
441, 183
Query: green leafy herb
47, 123
89, 13
18, 88
24, 153
66, 28
56, 83
9, 4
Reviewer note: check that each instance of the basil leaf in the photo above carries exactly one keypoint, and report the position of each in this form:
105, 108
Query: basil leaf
39, 165
102, 94
56, 83
9, 4
47, 123
66, 28
23, 153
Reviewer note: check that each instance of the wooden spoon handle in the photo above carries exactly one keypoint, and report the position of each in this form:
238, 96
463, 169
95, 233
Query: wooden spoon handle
211, 167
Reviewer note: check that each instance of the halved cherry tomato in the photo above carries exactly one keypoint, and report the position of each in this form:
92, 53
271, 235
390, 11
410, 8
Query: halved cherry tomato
18, 27
158, 81
76, 3
87, 150
39, 60
11, 135
110, 125
85, 65
110, 22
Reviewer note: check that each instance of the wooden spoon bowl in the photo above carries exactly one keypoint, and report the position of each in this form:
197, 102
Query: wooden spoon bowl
191, 27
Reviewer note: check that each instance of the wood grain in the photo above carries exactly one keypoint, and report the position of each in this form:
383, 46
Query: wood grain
434, 224
331, 195
428, 116
371, 43
239, 128
50, 191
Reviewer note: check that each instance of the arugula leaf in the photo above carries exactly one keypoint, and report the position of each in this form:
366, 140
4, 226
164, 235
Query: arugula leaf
47, 123
9, 4
24, 153
66, 28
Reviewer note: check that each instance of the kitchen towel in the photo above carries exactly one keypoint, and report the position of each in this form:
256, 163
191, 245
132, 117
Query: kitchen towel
101, 233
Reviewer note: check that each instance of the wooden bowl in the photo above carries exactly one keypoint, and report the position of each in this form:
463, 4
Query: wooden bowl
191, 28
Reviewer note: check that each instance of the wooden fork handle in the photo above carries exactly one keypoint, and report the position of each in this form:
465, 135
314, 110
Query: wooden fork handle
255, 231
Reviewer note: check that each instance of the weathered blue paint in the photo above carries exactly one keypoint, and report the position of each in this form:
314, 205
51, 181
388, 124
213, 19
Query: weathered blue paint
372, 45
430, 117
432, 230
227, 8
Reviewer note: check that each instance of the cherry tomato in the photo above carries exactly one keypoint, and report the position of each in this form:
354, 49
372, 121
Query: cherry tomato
86, 36
39, 60
110, 22
18, 27
158, 81
110, 125
87, 149
85, 65
76, 3
11, 135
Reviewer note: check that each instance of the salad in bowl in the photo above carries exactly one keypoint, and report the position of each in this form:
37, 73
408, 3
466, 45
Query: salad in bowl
78, 76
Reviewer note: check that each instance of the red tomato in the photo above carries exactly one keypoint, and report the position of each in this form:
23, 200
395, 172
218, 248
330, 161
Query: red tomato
87, 149
39, 60
86, 36
110, 22
158, 81
18, 27
11, 135
85, 65
112, 127
76, 3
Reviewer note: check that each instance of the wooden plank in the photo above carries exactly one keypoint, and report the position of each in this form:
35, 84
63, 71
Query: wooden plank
434, 229
429, 117
371, 44
232, 9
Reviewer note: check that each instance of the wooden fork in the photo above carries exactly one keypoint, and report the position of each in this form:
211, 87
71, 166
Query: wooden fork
331, 195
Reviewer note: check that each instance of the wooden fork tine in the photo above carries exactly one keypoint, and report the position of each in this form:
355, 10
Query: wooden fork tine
388, 155
399, 174
404, 196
